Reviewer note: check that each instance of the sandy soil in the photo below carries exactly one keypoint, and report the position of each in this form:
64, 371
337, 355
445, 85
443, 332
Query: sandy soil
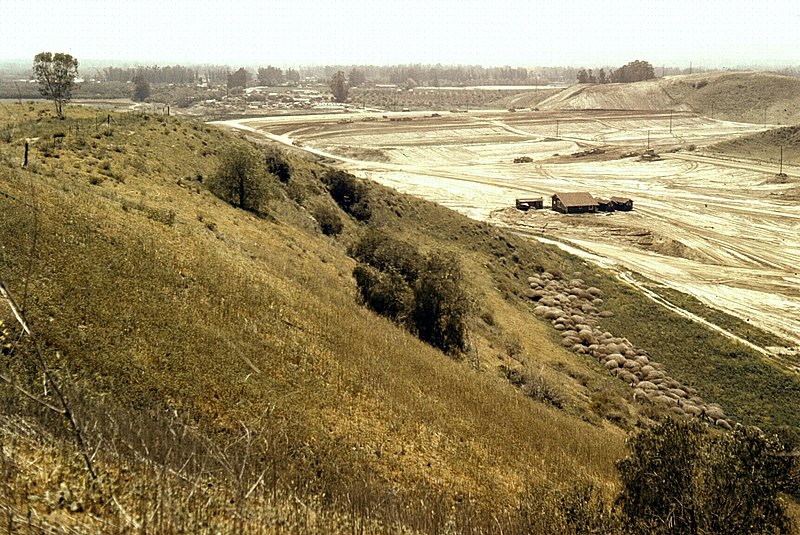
711, 227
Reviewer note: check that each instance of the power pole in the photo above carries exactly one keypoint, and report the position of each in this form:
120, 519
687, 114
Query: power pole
670, 121
781, 171
648, 139
556, 128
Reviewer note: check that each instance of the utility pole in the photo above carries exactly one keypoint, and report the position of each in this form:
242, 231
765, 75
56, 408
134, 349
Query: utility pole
781, 171
670, 121
556, 128
648, 139
765, 115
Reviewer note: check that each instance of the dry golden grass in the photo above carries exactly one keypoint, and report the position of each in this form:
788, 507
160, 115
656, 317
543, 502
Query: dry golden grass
164, 302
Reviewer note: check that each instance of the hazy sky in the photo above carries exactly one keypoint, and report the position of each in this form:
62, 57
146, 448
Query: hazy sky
711, 33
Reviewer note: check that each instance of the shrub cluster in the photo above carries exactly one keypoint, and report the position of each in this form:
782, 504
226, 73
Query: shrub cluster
350, 194
425, 294
679, 479
241, 178
329, 221
278, 166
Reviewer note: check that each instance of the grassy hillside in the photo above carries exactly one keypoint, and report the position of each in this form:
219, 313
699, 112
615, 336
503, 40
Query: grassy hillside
765, 146
226, 378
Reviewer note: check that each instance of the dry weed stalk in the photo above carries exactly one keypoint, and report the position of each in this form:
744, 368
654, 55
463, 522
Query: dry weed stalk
64, 408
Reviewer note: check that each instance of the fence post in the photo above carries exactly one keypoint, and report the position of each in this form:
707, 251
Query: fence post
25, 161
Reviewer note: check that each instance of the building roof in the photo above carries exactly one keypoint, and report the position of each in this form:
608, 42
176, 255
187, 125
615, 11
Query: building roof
576, 199
621, 200
530, 199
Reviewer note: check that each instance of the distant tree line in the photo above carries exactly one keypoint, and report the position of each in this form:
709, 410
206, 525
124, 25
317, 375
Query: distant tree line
635, 71
400, 75
171, 74
272, 76
435, 75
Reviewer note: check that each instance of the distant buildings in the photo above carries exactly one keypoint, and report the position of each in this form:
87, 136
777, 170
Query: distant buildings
536, 203
574, 203
579, 202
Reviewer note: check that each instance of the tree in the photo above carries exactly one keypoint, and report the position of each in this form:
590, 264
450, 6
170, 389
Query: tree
238, 78
635, 71
601, 76
270, 76
56, 75
583, 76
240, 178
339, 87
292, 76
141, 88
356, 77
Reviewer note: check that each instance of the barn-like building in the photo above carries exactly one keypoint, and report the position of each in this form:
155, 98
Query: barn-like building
574, 203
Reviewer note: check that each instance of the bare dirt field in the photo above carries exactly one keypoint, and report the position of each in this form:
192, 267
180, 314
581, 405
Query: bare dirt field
718, 229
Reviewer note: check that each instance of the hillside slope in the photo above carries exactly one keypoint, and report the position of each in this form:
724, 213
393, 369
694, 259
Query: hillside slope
227, 379
754, 97
168, 312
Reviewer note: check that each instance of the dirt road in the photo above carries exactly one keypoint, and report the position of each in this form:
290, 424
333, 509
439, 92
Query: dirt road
716, 229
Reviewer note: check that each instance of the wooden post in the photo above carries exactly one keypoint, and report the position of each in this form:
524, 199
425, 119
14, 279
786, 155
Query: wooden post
25, 161
108, 120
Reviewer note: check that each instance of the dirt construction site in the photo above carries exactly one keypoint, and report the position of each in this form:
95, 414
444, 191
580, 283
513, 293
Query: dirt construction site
722, 229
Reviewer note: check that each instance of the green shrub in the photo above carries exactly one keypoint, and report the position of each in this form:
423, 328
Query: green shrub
329, 221
350, 194
278, 166
441, 305
383, 252
428, 294
745, 472
679, 480
387, 294
240, 178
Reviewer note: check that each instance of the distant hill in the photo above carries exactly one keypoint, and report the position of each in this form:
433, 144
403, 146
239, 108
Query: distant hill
766, 146
731, 96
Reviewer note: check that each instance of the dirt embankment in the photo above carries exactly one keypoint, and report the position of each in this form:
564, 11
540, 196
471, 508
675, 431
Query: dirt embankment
754, 97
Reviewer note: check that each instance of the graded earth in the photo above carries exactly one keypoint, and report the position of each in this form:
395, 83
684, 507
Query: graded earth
723, 230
